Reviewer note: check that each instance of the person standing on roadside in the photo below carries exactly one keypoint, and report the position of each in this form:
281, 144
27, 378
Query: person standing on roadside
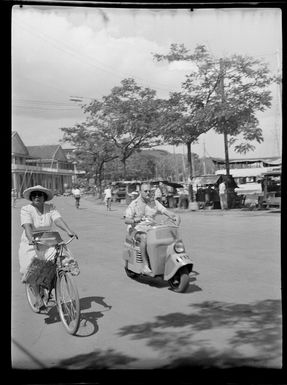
223, 195
158, 193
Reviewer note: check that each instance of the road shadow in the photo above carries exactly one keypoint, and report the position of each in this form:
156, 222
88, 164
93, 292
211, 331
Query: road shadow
96, 360
88, 323
88, 320
160, 283
156, 282
257, 324
216, 335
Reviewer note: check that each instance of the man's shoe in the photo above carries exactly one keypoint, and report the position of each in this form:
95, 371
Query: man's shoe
147, 271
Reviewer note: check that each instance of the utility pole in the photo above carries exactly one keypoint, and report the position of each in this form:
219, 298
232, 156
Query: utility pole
278, 106
175, 164
183, 165
223, 127
204, 156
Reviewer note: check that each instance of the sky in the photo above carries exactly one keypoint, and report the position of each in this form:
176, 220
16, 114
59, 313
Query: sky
64, 53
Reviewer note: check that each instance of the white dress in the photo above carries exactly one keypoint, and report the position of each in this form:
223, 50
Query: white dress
40, 222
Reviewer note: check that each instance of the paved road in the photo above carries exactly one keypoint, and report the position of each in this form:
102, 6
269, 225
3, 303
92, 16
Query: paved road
230, 315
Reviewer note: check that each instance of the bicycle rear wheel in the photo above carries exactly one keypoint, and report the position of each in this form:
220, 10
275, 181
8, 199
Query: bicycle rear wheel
68, 303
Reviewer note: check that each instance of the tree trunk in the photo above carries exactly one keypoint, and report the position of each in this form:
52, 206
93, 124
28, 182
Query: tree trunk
189, 162
226, 153
124, 168
223, 122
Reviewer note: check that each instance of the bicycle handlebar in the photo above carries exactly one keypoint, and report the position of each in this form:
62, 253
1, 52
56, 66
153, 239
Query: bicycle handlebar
58, 244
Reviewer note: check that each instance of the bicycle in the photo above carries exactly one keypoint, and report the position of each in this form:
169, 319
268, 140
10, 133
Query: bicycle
62, 282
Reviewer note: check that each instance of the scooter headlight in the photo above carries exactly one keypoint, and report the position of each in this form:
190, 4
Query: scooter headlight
179, 247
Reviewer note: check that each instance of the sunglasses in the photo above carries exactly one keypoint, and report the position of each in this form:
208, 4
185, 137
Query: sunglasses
35, 194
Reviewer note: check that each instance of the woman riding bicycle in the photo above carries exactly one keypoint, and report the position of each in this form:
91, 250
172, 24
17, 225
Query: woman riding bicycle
38, 216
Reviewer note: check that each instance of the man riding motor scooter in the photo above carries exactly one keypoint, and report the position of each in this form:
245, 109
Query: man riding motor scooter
154, 249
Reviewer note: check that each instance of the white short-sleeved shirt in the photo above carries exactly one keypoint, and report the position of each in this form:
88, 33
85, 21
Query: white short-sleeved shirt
76, 192
40, 222
222, 188
108, 193
139, 208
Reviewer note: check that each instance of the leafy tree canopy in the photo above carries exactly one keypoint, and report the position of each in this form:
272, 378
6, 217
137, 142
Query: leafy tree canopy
223, 94
128, 117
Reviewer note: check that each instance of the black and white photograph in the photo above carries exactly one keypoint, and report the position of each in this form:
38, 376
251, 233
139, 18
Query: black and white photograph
146, 151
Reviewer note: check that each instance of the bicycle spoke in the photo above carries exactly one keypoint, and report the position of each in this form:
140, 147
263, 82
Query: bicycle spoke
68, 303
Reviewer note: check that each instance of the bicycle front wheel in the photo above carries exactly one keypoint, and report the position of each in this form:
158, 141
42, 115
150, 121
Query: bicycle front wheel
68, 303
32, 300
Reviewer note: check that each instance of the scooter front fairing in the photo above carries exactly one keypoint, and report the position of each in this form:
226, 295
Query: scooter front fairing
175, 261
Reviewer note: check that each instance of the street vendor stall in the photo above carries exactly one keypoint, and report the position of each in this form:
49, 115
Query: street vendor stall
271, 185
170, 193
206, 191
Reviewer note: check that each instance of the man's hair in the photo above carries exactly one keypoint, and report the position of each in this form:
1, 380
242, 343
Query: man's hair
145, 184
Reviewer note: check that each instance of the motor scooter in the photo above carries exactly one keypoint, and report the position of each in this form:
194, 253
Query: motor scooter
167, 257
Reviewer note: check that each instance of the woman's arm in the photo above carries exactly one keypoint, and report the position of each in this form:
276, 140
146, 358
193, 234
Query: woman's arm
28, 231
63, 225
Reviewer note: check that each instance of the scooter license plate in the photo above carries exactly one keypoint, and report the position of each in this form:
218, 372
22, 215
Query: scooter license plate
184, 258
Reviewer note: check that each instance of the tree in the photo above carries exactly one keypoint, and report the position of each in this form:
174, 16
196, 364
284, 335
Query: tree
187, 112
183, 122
232, 90
128, 117
92, 150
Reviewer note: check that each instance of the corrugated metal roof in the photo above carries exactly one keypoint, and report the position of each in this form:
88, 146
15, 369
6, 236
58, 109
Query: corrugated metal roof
43, 152
273, 160
205, 180
47, 152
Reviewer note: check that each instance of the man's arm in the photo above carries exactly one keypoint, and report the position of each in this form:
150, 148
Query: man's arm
130, 216
170, 214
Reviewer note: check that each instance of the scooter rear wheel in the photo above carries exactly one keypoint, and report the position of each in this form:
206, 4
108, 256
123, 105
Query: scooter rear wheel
180, 281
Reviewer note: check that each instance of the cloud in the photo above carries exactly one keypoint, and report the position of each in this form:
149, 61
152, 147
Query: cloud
58, 52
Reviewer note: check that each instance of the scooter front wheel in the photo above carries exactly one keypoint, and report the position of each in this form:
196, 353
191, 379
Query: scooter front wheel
131, 274
180, 281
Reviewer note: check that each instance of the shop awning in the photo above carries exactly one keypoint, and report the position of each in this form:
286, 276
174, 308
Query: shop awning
205, 180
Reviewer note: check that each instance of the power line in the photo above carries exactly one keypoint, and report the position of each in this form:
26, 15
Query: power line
60, 45
44, 109
39, 102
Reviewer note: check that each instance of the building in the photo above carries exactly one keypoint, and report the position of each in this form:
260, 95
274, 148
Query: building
248, 172
46, 165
